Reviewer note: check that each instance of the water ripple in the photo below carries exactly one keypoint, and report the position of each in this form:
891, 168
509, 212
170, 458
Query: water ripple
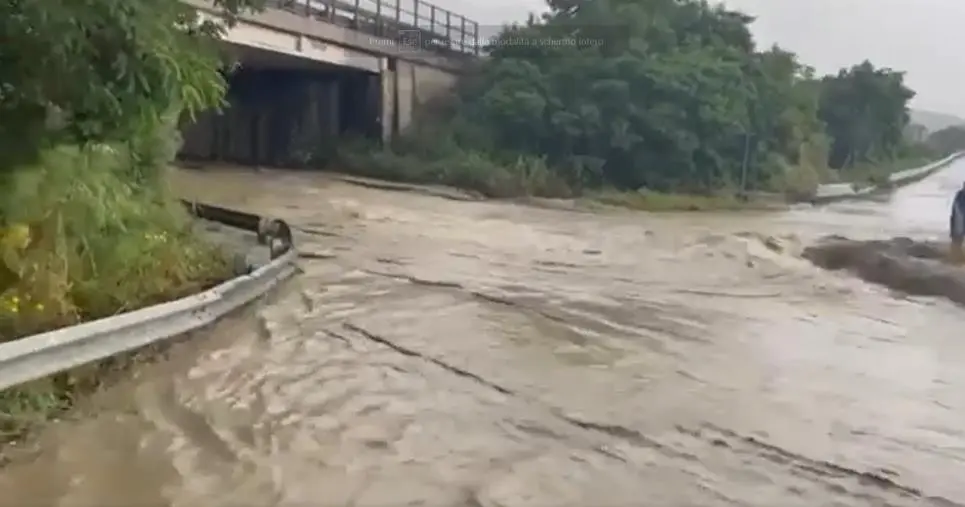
446, 353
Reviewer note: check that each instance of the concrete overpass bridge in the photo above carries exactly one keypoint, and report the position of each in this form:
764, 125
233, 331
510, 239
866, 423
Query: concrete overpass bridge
313, 71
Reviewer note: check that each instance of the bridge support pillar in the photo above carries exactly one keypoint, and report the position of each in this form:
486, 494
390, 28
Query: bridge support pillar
389, 102
398, 79
405, 96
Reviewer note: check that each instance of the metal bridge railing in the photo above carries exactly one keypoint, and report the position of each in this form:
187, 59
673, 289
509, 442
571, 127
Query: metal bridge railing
410, 23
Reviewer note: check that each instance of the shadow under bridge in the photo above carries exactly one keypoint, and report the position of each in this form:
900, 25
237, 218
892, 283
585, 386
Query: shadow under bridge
284, 111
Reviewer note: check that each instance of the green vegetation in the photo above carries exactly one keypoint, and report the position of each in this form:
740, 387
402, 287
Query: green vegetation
947, 140
90, 97
663, 201
673, 98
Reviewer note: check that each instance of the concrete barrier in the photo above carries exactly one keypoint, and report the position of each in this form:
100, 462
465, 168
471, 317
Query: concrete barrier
838, 191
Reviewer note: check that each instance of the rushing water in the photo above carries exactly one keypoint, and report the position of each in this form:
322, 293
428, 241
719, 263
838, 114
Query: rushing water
447, 353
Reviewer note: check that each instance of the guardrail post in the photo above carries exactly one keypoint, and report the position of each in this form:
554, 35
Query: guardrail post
398, 14
378, 18
355, 15
449, 29
462, 34
415, 14
331, 10
475, 37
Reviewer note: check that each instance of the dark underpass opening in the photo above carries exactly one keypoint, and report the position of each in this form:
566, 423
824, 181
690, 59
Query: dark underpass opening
285, 117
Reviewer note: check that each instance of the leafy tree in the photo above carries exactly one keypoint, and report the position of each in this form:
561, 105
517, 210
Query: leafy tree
80, 71
668, 95
90, 91
947, 140
866, 112
672, 95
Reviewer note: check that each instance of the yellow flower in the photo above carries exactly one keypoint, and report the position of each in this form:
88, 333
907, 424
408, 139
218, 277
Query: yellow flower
156, 238
17, 237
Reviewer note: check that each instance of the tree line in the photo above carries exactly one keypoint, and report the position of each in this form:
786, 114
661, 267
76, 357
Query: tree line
677, 97
947, 140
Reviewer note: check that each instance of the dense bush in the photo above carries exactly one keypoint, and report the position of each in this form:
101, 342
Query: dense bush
90, 94
468, 169
76, 248
674, 96
90, 97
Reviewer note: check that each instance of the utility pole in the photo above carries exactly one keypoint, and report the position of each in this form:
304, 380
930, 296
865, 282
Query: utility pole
748, 129
747, 152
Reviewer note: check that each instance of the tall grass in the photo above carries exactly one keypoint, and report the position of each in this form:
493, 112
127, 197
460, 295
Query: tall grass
80, 241
465, 169
87, 233
800, 182
440, 153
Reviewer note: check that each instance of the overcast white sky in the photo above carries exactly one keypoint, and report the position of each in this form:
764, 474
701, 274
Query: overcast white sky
926, 38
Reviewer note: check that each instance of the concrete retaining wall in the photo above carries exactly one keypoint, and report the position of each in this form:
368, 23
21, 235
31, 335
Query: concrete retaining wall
415, 86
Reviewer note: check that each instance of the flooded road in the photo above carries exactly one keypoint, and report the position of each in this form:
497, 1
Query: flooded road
446, 353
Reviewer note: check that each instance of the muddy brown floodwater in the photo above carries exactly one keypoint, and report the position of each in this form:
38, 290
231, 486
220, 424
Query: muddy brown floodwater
447, 353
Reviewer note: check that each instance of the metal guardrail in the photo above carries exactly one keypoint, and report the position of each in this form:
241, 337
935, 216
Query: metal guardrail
42, 355
231, 218
914, 173
835, 191
408, 22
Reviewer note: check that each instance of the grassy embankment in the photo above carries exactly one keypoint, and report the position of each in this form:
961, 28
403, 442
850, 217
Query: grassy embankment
87, 235
532, 177
529, 176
